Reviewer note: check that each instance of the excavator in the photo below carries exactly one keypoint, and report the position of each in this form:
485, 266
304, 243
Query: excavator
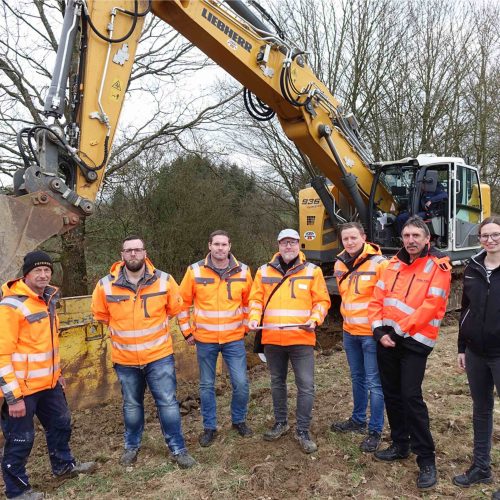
65, 159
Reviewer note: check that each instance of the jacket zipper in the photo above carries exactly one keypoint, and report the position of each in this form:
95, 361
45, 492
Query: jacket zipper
465, 316
409, 287
394, 284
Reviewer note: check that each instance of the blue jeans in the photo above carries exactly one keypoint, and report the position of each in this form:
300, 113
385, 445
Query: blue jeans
302, 359
52, 410
160, 378
361, 351
235, 357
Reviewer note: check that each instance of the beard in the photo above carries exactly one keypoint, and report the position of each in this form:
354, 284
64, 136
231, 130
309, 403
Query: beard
134, 265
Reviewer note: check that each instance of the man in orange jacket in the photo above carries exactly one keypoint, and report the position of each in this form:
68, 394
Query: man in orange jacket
289, 298
408, 305
135, 300
30, 377
218, 287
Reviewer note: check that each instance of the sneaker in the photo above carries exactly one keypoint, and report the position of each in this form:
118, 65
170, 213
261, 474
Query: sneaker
394, 452
30, 495
129, 456
371, 443
207, 437
348, 425
473, 475
79, 468
279, 429
427, 477
243, 429
184, 460
496, 495
305, 442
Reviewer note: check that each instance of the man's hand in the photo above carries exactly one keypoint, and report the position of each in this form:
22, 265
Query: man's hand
190, 340
461, 361
386, 341
428, 204
18, 409
309, 326
253, 324
62, 381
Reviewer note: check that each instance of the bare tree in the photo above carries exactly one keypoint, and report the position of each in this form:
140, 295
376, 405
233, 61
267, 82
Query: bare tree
161, 86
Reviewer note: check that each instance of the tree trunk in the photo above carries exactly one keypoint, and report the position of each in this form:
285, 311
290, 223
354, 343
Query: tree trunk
74, 280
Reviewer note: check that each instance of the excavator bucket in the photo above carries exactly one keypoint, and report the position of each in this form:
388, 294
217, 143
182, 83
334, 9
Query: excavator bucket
26, 222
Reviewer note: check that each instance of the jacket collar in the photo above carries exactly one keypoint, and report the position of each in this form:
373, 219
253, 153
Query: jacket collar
20, 288
366, 250
233, 267
275, 263
117, 271
404, 256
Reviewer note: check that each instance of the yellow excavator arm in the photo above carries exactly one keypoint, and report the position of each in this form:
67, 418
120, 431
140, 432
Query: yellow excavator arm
60, 184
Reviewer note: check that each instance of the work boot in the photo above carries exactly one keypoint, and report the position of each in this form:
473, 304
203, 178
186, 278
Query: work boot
427, 477
184, 460
30, 495
394, 452
79, 468
305, 442
473, 475
129, 456
371, 443
243, 429
207, 437
279, 429
348, 425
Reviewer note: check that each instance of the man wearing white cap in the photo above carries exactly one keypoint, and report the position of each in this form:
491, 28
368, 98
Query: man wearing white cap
288, 300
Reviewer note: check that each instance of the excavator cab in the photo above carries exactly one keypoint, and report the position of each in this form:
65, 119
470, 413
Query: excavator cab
445, 192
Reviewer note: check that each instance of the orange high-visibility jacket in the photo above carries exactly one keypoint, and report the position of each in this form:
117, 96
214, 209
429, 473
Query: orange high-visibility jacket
301, 297
411, 297
29, 340
137, 319
356, 290
220, 302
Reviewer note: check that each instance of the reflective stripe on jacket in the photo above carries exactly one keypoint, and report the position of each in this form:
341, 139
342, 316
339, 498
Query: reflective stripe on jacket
137, 319
356, 290
411, 297
220, 302
302, 297
29, 341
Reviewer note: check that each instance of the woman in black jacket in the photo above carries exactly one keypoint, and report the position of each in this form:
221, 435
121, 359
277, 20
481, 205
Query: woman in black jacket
479, 346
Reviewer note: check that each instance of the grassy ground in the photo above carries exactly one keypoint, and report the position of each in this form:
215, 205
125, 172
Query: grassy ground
252, 468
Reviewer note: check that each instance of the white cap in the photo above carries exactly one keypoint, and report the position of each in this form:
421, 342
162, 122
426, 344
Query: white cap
288, 233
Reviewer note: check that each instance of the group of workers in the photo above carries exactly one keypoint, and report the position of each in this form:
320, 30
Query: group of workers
392, 310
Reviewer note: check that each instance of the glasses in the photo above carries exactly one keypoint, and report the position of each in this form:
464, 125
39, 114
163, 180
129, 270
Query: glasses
292, 243
494, 237
129, 251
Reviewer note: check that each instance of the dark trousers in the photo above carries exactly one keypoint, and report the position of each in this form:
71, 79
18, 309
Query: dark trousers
402, 372
483, 374
302, 359
52, 410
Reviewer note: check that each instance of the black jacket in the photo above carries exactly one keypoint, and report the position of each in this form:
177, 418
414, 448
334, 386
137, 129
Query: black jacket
480, 317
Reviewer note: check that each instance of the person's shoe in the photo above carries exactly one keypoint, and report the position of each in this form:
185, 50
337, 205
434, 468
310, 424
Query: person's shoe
496, 495
473, 475
427, 477
243, 430
129, 457
305, 442
30, 495
371, 443
279, 429
348, 425
79, 468
394, 452
184, 460
207, 437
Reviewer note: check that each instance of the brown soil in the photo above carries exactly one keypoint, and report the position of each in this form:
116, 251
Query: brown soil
253, 468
